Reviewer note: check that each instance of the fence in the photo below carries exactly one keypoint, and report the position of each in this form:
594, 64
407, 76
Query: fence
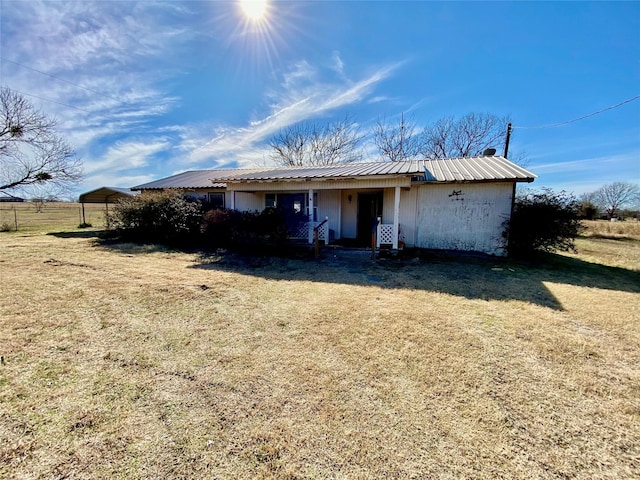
35, 216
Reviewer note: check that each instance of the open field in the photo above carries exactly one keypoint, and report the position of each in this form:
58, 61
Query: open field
125, 361
629, 229
54, 215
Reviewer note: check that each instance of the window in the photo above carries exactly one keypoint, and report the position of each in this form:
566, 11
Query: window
297, 203
216, 199
270, 200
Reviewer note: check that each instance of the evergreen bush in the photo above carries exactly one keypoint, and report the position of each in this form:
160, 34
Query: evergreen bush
545, 221
161, 217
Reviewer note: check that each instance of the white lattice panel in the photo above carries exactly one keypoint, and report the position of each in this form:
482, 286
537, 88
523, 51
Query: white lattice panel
323, 232
301, 231
385, 234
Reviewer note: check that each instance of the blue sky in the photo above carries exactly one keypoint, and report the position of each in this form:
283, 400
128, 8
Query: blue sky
144, 90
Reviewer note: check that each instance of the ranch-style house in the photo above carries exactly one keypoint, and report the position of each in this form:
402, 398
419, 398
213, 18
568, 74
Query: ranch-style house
452, 204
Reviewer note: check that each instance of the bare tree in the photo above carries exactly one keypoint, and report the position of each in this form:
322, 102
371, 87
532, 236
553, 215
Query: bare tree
469, 136
306, 144
615, 196
31, 153
397, 142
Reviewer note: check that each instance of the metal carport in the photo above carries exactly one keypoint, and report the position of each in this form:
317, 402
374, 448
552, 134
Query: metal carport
105, 195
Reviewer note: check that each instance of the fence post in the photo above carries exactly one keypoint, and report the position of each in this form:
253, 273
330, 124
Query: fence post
15, 217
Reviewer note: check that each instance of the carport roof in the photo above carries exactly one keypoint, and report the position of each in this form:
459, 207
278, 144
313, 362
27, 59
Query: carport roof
106, 195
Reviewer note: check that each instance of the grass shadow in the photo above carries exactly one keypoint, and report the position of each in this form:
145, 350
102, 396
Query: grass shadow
80, 234
472, 277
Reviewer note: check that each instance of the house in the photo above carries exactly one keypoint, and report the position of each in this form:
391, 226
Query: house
7, 197
452, 204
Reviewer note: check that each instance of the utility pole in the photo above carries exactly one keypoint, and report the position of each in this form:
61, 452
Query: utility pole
506, 143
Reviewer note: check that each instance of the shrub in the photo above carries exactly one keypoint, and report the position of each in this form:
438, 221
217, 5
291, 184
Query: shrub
543, 222
246, 231
160, 217
588, 210
218, 226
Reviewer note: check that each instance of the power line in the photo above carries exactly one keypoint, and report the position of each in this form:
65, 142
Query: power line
49, 100
60, 79
581, 118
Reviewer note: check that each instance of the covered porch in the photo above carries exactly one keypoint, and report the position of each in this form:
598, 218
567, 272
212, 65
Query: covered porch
351, 211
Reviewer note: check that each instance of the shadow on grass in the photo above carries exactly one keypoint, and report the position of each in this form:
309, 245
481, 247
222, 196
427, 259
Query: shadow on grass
80, 234
473, 277
465, 275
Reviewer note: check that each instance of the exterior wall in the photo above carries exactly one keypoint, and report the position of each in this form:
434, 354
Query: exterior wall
407, 220
329, 206
245, 201
463, 216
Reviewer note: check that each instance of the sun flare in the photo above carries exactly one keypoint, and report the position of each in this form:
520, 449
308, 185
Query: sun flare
254, 9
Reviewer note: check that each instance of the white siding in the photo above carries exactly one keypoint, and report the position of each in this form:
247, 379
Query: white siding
408, 200
246, 201
329, 206
463, 216
388, 197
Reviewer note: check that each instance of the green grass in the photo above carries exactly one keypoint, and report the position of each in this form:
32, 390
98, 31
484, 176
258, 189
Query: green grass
128, 361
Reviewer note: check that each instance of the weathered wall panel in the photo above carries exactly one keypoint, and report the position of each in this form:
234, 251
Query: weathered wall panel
407, 220
463, 216
329, 206
246, 201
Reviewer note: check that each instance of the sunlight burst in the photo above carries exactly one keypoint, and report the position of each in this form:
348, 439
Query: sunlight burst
255, 10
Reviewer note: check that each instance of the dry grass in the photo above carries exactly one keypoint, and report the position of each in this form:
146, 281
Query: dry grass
123, 361
53, 216
627, 230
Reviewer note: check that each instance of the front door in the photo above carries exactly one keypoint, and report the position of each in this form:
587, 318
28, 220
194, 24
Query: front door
369, 208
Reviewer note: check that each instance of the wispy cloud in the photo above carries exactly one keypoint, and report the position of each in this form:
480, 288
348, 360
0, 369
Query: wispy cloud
86, 63
123, 156
601, 163
303, 95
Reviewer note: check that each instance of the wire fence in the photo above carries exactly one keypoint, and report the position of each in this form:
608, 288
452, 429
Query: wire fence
50, 216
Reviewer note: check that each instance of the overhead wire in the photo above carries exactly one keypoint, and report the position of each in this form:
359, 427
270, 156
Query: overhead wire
49, 100
60, 79
553, 125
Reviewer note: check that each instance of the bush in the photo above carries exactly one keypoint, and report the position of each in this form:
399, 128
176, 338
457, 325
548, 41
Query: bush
161, 217
543, 222
218, 226
588, 210
246, 231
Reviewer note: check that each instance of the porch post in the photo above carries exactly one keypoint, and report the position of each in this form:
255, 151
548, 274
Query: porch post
310, 215
396, 218
233, 199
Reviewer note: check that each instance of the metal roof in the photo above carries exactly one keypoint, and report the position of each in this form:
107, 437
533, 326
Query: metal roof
475, 169
325, 172
106, 195
187, 180
470, 169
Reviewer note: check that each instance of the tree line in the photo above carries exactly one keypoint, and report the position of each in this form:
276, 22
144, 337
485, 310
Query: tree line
311, 144
611, 200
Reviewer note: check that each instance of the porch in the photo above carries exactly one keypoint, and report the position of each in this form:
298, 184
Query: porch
354, 212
